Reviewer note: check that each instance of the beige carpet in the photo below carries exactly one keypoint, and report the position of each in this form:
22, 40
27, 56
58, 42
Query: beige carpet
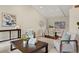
51, 48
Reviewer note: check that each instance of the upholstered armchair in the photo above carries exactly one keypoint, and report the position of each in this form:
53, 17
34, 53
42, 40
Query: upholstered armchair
68, 43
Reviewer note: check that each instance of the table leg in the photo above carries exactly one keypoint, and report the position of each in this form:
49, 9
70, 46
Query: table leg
46, 49
11, 47
76, 46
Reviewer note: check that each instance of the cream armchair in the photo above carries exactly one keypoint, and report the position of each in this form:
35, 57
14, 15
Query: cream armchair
68, 43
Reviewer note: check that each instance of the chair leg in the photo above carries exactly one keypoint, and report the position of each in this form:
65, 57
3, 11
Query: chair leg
76, 46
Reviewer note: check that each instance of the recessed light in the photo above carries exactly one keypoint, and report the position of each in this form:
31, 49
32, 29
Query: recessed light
41, 7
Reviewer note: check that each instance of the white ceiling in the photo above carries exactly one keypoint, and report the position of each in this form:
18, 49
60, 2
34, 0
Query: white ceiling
53, 10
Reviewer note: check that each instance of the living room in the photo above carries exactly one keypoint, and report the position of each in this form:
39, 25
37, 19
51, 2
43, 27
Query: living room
48, 22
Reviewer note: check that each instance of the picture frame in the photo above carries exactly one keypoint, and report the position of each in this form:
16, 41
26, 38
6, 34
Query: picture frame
8, 20
60, 24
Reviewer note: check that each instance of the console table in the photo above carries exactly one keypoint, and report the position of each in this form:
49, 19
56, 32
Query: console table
53, 37
10, 33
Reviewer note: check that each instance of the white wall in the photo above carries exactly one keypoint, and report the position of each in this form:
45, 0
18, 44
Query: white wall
74, 18
52, 20
26, 17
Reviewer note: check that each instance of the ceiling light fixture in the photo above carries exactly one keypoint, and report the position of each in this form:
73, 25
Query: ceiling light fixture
41, 7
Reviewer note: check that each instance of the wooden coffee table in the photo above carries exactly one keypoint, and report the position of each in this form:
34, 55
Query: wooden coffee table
39, 45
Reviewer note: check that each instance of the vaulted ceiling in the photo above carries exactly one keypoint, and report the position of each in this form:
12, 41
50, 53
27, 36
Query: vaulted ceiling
53, 10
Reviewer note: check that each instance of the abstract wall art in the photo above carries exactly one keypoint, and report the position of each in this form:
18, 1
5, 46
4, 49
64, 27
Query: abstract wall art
60, 24
8, 20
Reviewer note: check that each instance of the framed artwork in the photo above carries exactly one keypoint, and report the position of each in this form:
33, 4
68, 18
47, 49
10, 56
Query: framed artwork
60, 24
8, 20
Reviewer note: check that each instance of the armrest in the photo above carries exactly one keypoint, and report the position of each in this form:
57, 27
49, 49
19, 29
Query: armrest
68, 43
